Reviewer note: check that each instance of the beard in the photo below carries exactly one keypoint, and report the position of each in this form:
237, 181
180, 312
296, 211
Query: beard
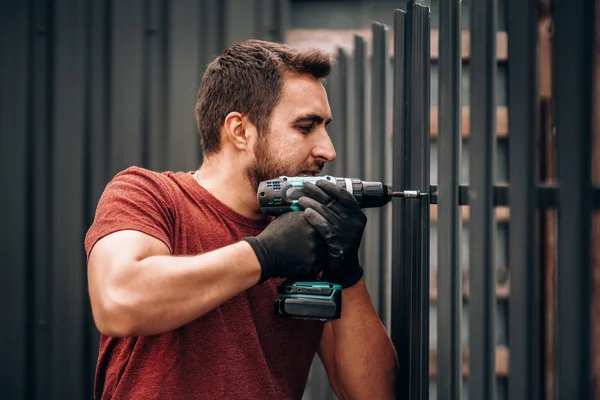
268, 166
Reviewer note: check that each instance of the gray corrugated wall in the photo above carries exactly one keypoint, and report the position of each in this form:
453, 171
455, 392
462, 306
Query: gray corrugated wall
89, 88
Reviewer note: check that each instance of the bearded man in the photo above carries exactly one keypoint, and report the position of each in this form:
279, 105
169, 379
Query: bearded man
183, 267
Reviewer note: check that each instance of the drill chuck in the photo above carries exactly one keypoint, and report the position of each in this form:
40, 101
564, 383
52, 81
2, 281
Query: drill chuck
368, 194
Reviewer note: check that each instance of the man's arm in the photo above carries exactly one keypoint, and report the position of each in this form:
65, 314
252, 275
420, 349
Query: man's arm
356, 351
137, 289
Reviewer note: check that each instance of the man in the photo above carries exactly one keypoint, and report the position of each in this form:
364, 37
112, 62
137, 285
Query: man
183, 267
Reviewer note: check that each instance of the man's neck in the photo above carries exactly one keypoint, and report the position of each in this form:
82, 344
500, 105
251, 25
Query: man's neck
230, 186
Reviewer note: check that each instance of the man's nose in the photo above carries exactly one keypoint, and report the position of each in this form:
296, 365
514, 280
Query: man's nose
324, 149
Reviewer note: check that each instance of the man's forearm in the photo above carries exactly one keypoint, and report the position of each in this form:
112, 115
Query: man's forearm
365, 359
161, 293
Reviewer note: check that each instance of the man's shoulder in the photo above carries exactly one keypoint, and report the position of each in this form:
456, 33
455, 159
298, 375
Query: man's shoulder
146, 178
137, 173
137, 182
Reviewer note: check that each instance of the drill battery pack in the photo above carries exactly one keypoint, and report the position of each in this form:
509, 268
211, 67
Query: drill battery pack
309, 300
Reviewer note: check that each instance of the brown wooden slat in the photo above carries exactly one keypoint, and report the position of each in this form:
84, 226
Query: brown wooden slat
502, 213
545, 58
501, 121
502, 354
332, 39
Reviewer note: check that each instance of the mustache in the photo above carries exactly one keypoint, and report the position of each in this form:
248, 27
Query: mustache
317, 167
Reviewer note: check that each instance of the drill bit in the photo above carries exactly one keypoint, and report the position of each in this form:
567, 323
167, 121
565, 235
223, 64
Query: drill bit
406, 193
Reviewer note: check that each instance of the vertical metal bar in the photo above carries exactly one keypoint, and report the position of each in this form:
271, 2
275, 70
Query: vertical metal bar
241, 20
482, 227
332, 88
342, 117
351, 133
126, 85
449, 304
182, 54
414, 240
377, 165
400, 286
88, 358
355, 146
525, 308
360, 66
39, 202
14, 172
421, 97
68, 326
574, 83
97, 159
156, 101
211, 41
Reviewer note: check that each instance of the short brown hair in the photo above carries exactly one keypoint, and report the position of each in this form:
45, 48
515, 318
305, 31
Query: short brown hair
248, 78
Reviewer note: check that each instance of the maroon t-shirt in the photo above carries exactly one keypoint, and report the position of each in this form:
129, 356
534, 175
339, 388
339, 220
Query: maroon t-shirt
240, 350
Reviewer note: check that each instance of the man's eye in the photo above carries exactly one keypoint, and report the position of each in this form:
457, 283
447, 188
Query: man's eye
305, 128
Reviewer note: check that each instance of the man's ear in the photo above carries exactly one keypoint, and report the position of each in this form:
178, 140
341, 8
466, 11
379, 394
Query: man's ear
238, 130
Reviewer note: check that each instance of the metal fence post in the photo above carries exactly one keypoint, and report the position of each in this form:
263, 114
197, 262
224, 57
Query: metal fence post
482, 224
525, 316
377, 166
411, 218
574, 83
449, 304
356, 141
400, 317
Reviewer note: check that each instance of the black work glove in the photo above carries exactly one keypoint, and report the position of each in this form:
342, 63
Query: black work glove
289, 247
335, 213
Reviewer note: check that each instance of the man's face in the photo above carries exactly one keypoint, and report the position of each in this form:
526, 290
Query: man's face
297, 142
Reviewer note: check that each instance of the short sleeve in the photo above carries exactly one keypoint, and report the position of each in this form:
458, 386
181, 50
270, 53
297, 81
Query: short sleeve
135, 199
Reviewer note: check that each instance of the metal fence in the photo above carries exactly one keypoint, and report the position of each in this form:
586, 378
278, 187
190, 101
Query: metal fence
85, 86
396, 250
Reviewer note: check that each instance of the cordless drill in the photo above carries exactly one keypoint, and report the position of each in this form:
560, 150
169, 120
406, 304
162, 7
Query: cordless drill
316, 300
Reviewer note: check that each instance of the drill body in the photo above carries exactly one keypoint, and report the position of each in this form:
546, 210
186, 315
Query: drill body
280, 195
314, 300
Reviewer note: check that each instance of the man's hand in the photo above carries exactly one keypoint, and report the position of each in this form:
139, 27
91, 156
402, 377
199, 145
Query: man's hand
336, 215
289, 247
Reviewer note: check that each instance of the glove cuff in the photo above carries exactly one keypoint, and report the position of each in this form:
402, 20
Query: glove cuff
268, 263
348, 273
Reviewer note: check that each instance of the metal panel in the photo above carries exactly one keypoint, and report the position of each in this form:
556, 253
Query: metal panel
342, 116
155, 101
182, 138
376, 167
449, 273
416, 173
274, 20
99, 81
253, 19
412, 237
356, 149
355, 145
97, 142
482, 229
211, 41
15, 135
332, 88
41, 182
573, 85
400, 313
212, 32
525, 306
68, 279
126, 85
